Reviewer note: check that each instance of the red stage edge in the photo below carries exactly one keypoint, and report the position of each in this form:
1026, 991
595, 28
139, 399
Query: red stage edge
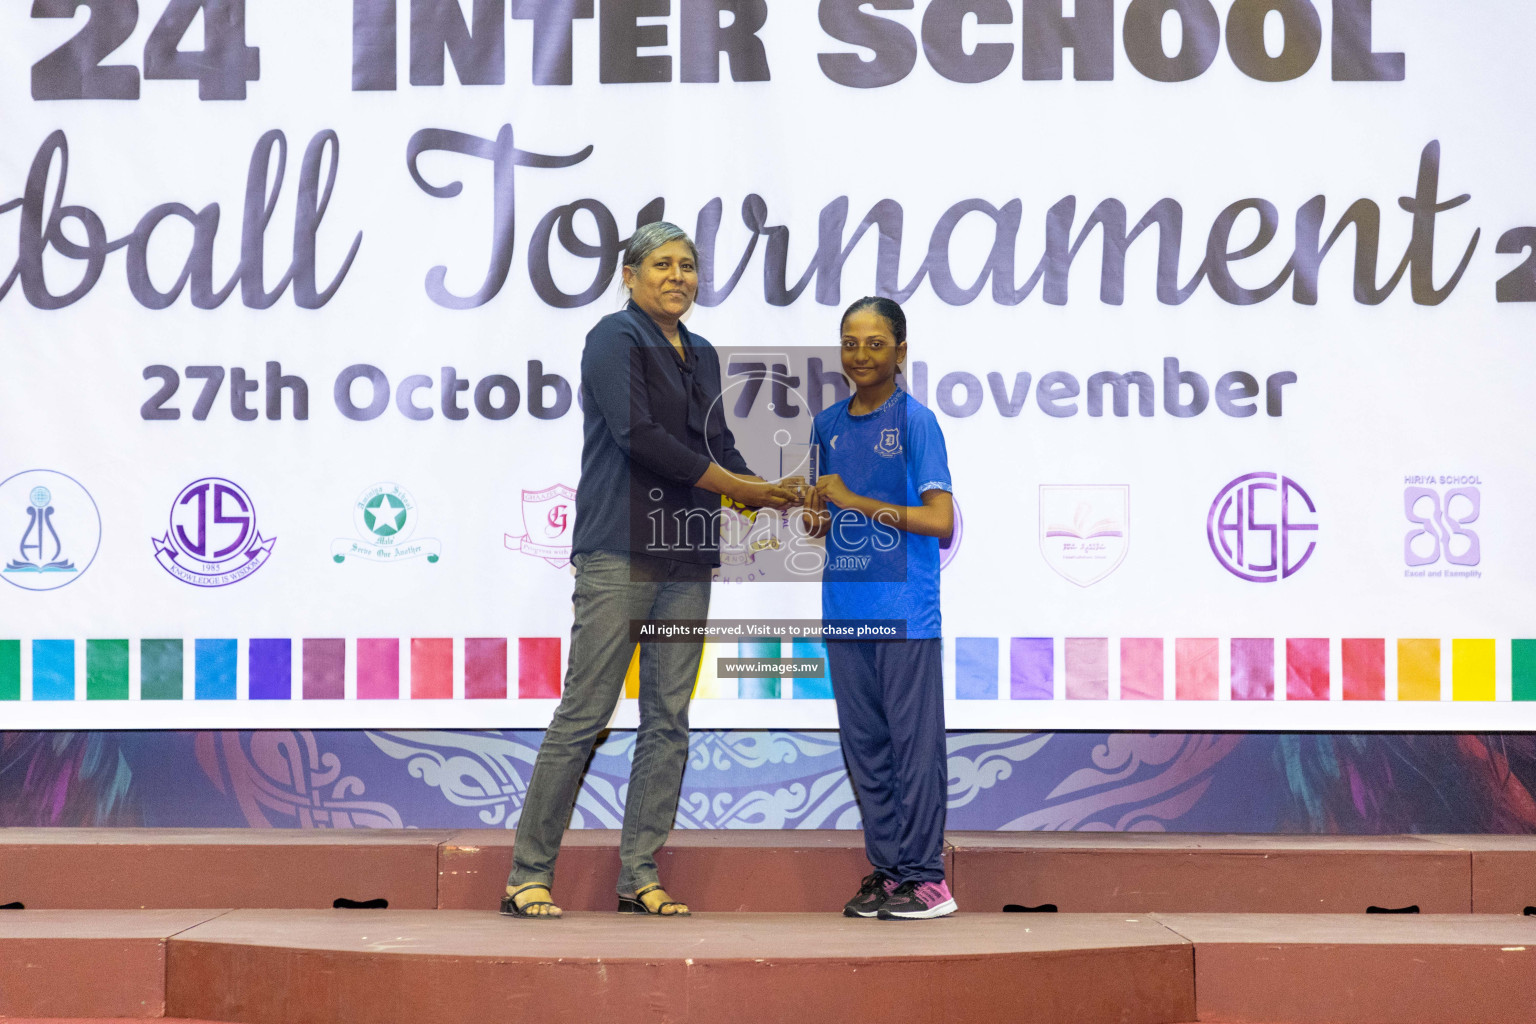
1149, 929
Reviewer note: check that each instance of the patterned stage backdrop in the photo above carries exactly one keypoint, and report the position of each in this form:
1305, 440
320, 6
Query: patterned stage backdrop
1369, 784
1224, 308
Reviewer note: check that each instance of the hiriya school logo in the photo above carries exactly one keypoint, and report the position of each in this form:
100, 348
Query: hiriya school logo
1440, 509
385, 516
890, 442
1084, 531
56, 525
1251, 523
212, 540
548, 516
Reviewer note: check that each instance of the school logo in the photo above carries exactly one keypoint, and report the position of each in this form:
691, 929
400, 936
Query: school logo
213, 540
55, 529
1440, 516
548, 516
385, 517
1085, 531
746, 531
890, 442
1262, 527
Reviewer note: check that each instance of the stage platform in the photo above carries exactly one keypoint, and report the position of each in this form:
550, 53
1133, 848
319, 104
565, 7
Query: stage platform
785, 871
241, 926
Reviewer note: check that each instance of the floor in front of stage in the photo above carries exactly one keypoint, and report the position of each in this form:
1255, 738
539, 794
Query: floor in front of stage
282, 926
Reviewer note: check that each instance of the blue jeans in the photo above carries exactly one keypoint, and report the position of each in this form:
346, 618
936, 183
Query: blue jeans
611, 589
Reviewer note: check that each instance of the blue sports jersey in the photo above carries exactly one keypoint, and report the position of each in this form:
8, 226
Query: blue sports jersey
874, 570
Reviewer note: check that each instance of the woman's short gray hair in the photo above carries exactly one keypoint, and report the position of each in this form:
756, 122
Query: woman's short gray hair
650, 237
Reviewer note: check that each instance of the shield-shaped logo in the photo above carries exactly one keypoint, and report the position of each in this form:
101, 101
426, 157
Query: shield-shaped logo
890, 442
548, 516
1084, 531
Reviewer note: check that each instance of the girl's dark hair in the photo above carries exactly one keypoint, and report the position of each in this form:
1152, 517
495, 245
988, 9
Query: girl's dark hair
888, 308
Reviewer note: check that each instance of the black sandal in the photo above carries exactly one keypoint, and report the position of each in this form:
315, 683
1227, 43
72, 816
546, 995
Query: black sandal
636, 904
510, 908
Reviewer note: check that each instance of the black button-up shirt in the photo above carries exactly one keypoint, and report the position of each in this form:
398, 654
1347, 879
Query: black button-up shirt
652, 423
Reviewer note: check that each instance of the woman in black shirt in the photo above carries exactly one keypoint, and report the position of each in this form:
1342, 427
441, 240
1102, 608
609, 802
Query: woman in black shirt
656, 455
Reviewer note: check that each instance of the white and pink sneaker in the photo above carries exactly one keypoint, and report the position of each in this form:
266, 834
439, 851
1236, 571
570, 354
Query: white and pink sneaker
916, 901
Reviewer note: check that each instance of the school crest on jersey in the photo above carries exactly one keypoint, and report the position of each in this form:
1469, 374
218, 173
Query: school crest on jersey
890, 442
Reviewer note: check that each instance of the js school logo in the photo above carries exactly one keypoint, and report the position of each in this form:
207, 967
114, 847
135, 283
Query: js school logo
385, 517
548, 516
60, 529
212, 540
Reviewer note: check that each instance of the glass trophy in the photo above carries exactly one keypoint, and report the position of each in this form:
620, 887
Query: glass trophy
798, 465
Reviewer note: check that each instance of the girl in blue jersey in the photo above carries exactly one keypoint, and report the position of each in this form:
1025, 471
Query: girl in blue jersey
883, 503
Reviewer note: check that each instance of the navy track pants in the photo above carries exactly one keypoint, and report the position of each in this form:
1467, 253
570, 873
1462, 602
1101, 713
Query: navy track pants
890, 713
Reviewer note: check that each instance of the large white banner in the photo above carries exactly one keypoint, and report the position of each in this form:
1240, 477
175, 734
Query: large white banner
1223, 308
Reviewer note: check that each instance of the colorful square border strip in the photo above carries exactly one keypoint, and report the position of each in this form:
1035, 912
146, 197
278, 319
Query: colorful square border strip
1021, 668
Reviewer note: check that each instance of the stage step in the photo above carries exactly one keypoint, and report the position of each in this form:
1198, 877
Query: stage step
325, 966
1358, 969
727, 870
384, 967
87, 963
1503, 871
1144, 872
84, 868
104, 1020
768, 871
